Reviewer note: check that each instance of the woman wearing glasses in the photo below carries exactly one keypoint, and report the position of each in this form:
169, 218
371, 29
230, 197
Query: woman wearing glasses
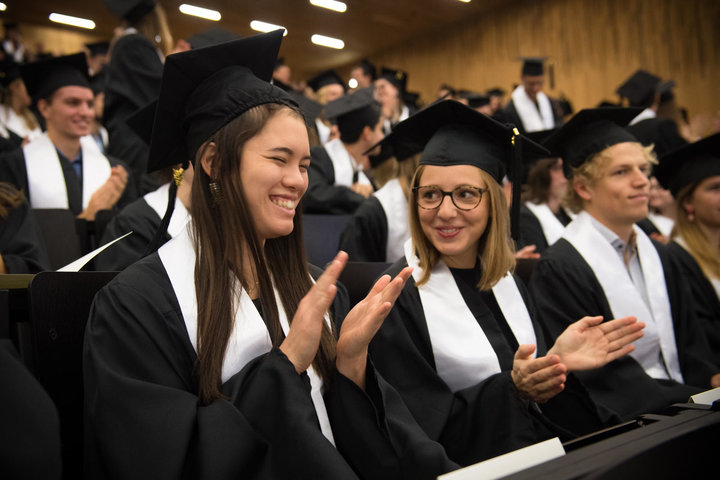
461, 344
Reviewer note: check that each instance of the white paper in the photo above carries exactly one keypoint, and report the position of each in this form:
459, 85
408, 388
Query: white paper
509, 463
76, 265
707, 397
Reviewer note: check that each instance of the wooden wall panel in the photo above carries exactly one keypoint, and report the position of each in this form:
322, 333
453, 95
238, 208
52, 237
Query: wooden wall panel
58, 41
594, 45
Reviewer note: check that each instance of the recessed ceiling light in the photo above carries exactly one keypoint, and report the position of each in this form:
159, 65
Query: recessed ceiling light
327, 41
259, 26
205, 13
3, 7
330, 5
352, 83
74, 21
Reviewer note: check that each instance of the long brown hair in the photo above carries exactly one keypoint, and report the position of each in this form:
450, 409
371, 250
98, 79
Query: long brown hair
537, 189
222, 231
10, 198
705, 253
496, 251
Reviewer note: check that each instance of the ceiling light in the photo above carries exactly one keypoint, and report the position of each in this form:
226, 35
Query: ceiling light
330, 5
352, 83
327, 41
465, 1
3, 7
74, 21
259, 26
205, 13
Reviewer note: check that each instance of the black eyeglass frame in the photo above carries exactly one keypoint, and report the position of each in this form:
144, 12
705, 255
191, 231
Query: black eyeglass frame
481, 191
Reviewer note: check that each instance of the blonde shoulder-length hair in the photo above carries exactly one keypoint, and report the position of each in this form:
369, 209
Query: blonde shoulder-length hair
496, 251
705, 253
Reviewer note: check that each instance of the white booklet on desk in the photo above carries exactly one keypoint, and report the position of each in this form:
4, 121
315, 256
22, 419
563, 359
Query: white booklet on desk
509, 463
707, 397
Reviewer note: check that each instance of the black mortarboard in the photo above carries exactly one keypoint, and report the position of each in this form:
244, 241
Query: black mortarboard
397, 77
689, 164
533, 66
141, 122
639, 89
204, 89
476, 100
327, 77
130, 10
9, 72
589, 132
211, 36
605, 104
43, 78
538, 137
309, 107
98, 48
353, 112
495, 92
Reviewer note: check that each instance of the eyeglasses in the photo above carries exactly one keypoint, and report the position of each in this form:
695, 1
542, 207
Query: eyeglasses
464, 197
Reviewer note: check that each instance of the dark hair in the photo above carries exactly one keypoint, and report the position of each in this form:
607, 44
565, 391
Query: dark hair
10, 198
221, 232
537, 188
352, 125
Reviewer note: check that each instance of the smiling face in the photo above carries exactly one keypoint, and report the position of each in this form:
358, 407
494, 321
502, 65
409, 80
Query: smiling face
619, 196
273, 173
69, 111
454, 233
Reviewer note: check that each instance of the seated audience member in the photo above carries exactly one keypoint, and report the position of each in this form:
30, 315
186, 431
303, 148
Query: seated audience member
328, 86
605, 265
496, 95
18, 120
364, 73
692, 174
217, 352
339, 180
64, 168
461, 344
21, 250
661, 213
390, 90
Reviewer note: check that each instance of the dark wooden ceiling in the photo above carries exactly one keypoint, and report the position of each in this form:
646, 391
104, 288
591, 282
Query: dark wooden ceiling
367, 27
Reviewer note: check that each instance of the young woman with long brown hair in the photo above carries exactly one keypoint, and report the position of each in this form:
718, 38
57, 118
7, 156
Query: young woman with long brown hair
218, 356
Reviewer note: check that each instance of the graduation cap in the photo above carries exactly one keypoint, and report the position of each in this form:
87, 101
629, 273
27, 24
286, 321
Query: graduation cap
328, 77
689, 164
639, 88
204, 89
495, 92
476, 100
353, 112
98, 48
44, 77
309, 107
533, 66
589, 132
397, 78
130, 10
211, 36
141, 122
9, 72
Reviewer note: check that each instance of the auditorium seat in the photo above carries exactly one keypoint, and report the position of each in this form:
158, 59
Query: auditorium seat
359, 277
321, 234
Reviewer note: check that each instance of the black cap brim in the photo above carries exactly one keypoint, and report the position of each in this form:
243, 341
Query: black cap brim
689, 164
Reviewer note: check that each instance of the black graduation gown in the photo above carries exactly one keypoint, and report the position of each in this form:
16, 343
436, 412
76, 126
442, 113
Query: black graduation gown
706, 302
660, 132
564, 289
14, 171
531, 232
144, 419
509, 114
9, 144
365, 238
133, 80
487, 419
21, 246
30, 433
137, 217
322, 195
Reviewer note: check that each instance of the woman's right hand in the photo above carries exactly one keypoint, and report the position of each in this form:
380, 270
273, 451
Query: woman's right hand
537, 379
303, 338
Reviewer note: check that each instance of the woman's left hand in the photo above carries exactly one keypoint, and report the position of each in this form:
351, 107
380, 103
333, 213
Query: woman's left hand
591, 343
362, 323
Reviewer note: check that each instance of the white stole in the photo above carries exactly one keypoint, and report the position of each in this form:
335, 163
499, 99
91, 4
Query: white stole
463, 354
395, 205
663, 223
625, 300
249, 338
158, 199
16, 124
323, 131
715, 282
532, 119
644, 115
344, 164
46, 181
552, 227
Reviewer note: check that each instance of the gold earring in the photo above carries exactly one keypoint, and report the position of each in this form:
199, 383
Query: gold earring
178, 175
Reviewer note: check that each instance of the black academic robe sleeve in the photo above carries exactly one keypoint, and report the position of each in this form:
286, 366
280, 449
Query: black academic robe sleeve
137, 217
21, 244
323, 196
509, 115
531, 232
705, 299
564, 289
13, 171
365, 237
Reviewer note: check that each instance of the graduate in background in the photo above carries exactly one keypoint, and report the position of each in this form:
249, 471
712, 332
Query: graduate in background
328, 86
217, 351
21, 247
18, 122
339, 180
64, 168
692, 174
390, 91
605, 265
461, 344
